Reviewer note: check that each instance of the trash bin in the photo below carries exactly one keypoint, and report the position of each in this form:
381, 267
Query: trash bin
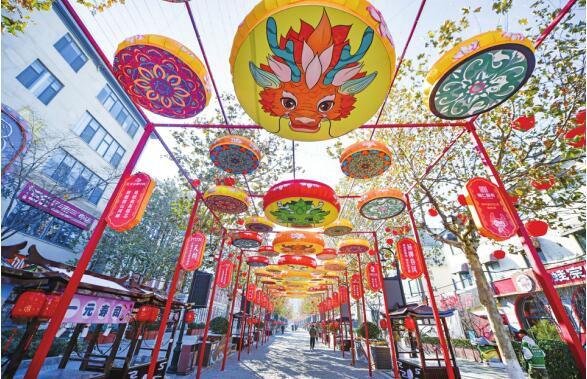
187, 359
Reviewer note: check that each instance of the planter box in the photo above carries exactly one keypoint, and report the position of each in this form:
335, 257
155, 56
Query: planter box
103, 339
195, 332
381, 357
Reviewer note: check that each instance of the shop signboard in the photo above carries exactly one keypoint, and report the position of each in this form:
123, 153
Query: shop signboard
88, 309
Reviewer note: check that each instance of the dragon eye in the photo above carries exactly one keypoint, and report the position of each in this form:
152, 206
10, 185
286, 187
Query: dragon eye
325, 105
288, 103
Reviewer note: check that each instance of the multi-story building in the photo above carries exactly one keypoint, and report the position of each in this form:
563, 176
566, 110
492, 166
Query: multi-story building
84, 129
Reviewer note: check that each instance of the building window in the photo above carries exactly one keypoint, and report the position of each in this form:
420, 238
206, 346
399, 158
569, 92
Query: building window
113, 105
466, 279
43, 84
32, 221
580, 237
493, 266
100, 140
71, 52
70, 173
531, 310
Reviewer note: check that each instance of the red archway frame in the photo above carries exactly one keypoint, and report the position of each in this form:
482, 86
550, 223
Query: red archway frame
567, 331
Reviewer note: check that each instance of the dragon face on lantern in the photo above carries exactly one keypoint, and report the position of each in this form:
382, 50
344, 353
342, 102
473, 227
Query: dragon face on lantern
312, 71
312, 76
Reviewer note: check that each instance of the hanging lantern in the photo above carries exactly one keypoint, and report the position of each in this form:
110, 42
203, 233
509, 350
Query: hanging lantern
258, 297
328, 91
143, 313
226, 199
297, 262
268, 251
258, 224
462, 199
432, 212
229, 181
251, 288
257, 261
49, 307
410, 324
353, 246
263, 273
471, 78
246, 240
162, 76
523, 123
498, 254
298, 242
326, 254
190, 316
335, 265
575, 137
301, 204
543, 184
296, 275
365, 159
338, 228
380, 204
383, 324
536, 228
235, 154
387, 229
28, 305
274, 269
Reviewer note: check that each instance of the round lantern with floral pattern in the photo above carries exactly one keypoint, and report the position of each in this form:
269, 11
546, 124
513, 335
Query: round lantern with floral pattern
258, 224
335, 265
301, 204
479, 74
162, 76
353, 246
338, 227
365, 159
246, 240
380, 204
298, 242
226, 199
326, 254
235, 154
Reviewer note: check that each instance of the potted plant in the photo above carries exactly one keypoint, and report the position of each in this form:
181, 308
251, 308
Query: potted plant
219, 325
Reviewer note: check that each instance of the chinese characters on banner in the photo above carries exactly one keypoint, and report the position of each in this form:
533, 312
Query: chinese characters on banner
258, 297
372, 275
356, 292
192, 253
225, 273
264, 299
328, 303
335, 300
344, 294
410, 258
98, 310
490, 212
251, 292
130, 203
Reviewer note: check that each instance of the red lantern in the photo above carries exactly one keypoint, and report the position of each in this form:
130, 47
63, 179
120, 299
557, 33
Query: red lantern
371, 252
462, 199
143, 314
387, 229
383, 324
28, 306
196, 182
190, 316
389, 241
432, 212
543, 184
395, 232
499, 254
229, 181
410, 324
240, 221
523, 123
154, 314
536, 228
575, 137
49, 307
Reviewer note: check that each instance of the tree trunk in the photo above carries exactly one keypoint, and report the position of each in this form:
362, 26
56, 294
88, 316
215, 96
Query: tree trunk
495, 321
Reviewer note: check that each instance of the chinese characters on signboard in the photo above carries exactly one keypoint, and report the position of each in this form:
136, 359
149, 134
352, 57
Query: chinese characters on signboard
344, 294
571, 273
130, 203
356, 292
225, 273
251, 292
192, 252
98, 310
491, 214
410, 258
372, 276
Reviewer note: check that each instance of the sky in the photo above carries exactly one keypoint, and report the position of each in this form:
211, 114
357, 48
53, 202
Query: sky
217, 21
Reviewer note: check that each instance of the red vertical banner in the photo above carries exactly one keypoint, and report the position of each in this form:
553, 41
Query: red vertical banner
335, 300
372, 276
251, 288
258, 297
264, 300
356, 292
224, 273
491, 214
131, 202
329, 303
192, 253
344, 294
409, 258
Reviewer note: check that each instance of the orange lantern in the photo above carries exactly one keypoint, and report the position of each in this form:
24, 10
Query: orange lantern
536, 228
338, 227
190, 316
49, 307
335, 265
353, 246
28, 306
257, 261
298, 242
246, 240
235, 154
380, 204
365, 159
297, 262
326, 254
130, 202
268, 251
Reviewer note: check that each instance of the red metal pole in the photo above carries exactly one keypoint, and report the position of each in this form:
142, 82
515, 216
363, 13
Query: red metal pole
82, 264
389, 326
234, 292
210, 308
567, 331
253, 316
244, 318
439, 329
340, 318
167, 310
365, 325
346, 276
260, 319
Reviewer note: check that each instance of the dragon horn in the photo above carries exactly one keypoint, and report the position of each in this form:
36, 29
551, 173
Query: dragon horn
286, 54
346, 58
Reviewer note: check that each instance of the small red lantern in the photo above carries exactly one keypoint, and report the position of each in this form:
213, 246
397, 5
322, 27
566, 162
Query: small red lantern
543, 184
371, 252
462, 200
432, 212
229, 181
28, 305
50, 307
514, 199
523, 123
190, 316
383, 324
395, 232
143, 314
389, 241
536, 228
499, 254
240, 221
410, 324
575, 137
387, 229
154, 314
196, 182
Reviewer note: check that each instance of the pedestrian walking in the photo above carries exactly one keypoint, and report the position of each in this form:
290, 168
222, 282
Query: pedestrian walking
282, 329
313, 334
